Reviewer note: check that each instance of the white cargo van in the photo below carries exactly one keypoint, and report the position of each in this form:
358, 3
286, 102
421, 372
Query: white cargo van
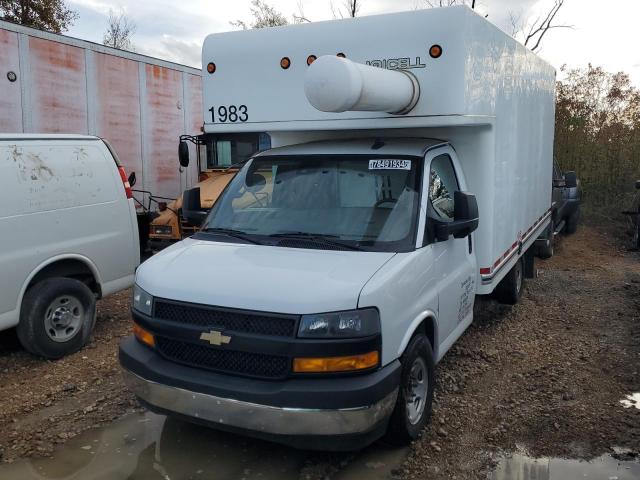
69, 236
411, 172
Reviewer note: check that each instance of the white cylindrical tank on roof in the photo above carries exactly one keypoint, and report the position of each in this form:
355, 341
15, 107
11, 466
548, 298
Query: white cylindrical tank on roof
335, 84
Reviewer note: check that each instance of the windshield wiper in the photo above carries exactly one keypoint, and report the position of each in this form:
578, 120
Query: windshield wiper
230, 232
317, 237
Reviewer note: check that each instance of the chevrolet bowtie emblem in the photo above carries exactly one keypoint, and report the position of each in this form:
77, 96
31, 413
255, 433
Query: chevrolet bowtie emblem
214, 337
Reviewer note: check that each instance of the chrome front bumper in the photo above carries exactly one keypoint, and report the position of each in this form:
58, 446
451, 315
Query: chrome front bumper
260, 418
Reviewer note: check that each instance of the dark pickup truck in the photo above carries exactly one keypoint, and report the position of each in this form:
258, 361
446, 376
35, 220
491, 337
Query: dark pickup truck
565, 208
634, 219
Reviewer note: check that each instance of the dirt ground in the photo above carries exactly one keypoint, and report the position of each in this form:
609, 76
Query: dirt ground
546, 375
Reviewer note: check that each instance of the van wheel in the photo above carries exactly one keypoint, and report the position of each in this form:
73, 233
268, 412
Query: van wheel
510, 288
415, 394
57, 317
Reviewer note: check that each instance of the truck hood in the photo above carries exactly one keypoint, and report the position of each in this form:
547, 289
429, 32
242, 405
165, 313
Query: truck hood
256, 277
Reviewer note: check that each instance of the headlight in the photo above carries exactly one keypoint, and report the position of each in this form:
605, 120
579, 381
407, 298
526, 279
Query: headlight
349, 324
142, 301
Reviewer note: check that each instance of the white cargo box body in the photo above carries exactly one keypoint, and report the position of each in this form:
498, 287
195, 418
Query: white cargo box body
487, 95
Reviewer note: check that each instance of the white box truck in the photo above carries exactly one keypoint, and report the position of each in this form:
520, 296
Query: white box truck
411, 171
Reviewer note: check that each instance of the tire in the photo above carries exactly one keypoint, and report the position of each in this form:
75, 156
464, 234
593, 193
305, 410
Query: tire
57, 317
509, 290
406, 424
572, 222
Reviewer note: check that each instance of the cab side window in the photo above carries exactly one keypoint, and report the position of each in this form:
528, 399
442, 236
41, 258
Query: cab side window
442, 185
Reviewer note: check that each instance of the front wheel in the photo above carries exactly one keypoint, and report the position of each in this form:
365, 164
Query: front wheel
57, 317
415, 395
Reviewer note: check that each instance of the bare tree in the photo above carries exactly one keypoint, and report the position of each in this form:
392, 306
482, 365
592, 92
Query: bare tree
539, 28
51, 15
120, 29
353, 7
350, 9
529, 32
450, 3
300, 17
264, 15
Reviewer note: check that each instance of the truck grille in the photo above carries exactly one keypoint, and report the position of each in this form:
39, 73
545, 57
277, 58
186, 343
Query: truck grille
225, 361
226, 320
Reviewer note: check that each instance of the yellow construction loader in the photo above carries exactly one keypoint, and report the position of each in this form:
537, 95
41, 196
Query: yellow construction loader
219, 158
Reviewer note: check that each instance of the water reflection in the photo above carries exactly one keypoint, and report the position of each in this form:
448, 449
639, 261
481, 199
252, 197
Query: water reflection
632, 400
148, 446
522, 467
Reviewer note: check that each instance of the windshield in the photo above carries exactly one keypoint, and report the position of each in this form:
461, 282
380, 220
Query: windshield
366, 202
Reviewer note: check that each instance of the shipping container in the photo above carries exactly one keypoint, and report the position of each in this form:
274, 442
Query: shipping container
57, 84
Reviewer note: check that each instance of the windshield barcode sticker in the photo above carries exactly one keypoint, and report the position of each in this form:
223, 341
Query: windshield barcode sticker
389, 164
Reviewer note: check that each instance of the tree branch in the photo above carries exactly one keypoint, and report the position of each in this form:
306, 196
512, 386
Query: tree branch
540, 28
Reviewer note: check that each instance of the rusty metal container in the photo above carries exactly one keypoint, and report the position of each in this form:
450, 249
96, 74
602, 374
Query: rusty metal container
56, 84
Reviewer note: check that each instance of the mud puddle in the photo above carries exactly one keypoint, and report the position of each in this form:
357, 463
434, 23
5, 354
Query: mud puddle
149, 446
522, 467
632, 400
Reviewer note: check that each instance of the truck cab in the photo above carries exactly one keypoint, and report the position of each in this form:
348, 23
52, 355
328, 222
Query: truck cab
337, 268
332, 240
566, 200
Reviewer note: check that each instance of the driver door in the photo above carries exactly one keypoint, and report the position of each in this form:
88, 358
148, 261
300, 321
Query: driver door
455, 259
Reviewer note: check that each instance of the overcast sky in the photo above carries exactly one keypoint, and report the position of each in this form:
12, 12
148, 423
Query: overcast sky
605, 32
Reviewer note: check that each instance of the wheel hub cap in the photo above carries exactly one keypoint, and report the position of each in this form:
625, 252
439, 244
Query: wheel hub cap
63, 318
416, 391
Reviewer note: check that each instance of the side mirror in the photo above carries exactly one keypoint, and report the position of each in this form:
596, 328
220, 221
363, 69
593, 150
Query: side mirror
192, 211
571, 179
255, 182
132, 179
183, 154
638, 184
465, 218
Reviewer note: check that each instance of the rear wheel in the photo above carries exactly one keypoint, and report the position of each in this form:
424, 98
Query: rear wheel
510, 288
57, 317
415, 395
572, 222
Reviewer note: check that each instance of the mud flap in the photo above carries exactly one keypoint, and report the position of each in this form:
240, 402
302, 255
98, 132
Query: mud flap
528, 260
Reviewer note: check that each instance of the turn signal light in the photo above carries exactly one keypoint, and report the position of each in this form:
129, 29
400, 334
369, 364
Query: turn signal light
336, 364
143, 335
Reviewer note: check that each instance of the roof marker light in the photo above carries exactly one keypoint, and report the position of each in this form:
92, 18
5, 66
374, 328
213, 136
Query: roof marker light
341, 55
435, 51
285, 63
211, 67
311, 59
